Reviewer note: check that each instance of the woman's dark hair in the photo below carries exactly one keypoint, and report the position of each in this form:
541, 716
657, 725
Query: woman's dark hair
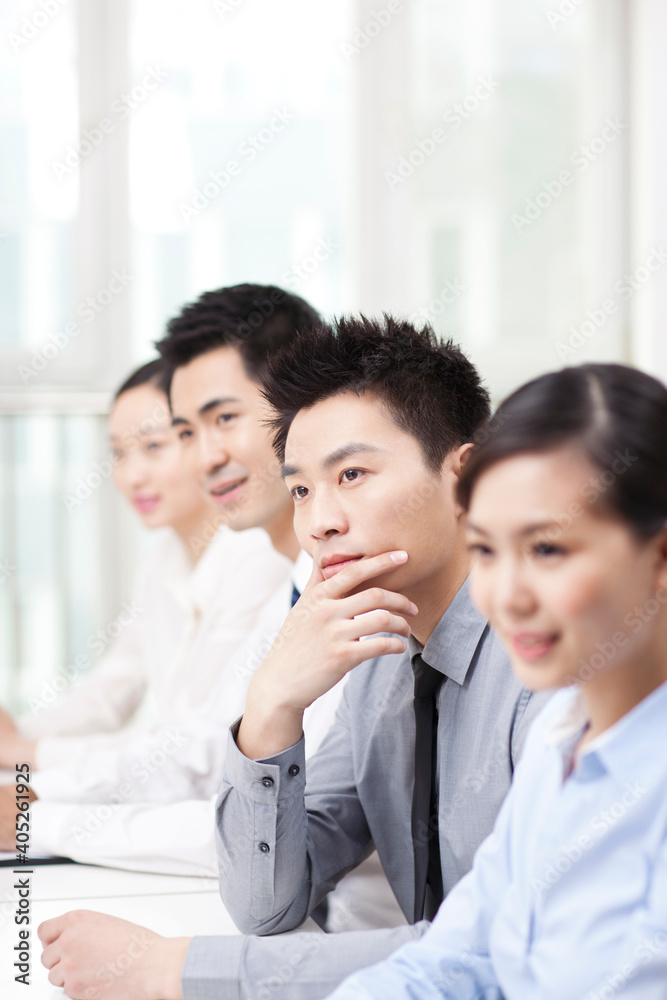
152, 373
429, 388
615, 415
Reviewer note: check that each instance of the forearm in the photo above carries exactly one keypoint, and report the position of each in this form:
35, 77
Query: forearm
176, 839
303, 966
262, 841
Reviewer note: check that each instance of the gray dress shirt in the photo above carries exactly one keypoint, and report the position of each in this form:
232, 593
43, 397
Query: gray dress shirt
282, 844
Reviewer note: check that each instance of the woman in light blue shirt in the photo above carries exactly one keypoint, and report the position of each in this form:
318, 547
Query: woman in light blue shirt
567, 899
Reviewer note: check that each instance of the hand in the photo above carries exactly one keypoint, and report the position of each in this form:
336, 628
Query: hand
317, 645
97, 957
8, 814
13, 748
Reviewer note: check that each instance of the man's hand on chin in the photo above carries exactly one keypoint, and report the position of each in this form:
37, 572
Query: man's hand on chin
97, 957
8, 814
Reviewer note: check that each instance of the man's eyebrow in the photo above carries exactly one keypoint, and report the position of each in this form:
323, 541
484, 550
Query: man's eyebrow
346, 451
339, 455
214, 403
175, 421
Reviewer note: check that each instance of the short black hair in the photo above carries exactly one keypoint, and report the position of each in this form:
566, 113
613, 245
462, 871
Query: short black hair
258, 319
152, 373
429, 388
612, 413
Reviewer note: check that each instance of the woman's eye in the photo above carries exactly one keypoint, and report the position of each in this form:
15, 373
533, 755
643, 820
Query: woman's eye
547, 549
298, 492
350, 475
153, 446
479, 549
185, 435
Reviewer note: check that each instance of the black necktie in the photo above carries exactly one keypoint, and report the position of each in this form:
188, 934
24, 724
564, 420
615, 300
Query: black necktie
426, 844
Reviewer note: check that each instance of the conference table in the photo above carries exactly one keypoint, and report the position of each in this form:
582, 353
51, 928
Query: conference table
173, 905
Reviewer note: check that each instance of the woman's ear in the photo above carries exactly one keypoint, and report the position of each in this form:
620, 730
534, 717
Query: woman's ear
661, 551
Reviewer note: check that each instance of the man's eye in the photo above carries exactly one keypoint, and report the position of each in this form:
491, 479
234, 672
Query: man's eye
153, 446
299, 492
184, 435
225, 418
350, 475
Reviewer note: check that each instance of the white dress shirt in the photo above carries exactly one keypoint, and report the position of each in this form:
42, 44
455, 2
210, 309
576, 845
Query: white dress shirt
167, 824
184, 623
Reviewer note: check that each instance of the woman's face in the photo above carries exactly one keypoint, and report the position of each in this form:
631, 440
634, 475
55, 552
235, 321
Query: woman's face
564, 582
148, 464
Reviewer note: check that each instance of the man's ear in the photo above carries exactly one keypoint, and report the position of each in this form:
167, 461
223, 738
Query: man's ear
460, 456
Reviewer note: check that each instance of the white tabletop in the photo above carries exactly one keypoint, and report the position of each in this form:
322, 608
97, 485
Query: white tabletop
169, 904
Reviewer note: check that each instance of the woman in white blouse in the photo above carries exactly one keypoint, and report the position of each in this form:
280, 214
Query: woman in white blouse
198, 592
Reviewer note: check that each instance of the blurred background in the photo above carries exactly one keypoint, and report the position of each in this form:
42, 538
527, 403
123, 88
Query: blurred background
496, 169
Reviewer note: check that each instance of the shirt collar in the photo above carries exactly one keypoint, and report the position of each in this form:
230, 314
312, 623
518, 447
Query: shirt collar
622, 749
301, 571
452, 644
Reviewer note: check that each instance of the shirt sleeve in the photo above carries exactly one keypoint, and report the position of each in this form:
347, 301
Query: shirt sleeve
180, 761
639, 970
100, 702
300, 966
177, 839
282, 848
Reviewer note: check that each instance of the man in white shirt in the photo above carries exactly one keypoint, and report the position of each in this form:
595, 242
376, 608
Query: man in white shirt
224, 326
106, 809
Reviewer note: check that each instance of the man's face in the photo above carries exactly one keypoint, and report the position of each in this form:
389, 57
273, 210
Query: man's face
361, 487
219, 414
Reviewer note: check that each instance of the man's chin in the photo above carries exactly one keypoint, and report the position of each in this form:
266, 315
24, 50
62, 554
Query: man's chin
392, 580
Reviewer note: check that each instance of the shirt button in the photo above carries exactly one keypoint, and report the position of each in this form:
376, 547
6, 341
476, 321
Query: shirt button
264, 848
293, 770
267, 782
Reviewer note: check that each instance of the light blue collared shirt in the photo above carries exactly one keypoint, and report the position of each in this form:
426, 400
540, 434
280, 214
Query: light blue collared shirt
567, 899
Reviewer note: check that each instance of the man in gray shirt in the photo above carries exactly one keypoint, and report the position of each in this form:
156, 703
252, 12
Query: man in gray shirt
374, 421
